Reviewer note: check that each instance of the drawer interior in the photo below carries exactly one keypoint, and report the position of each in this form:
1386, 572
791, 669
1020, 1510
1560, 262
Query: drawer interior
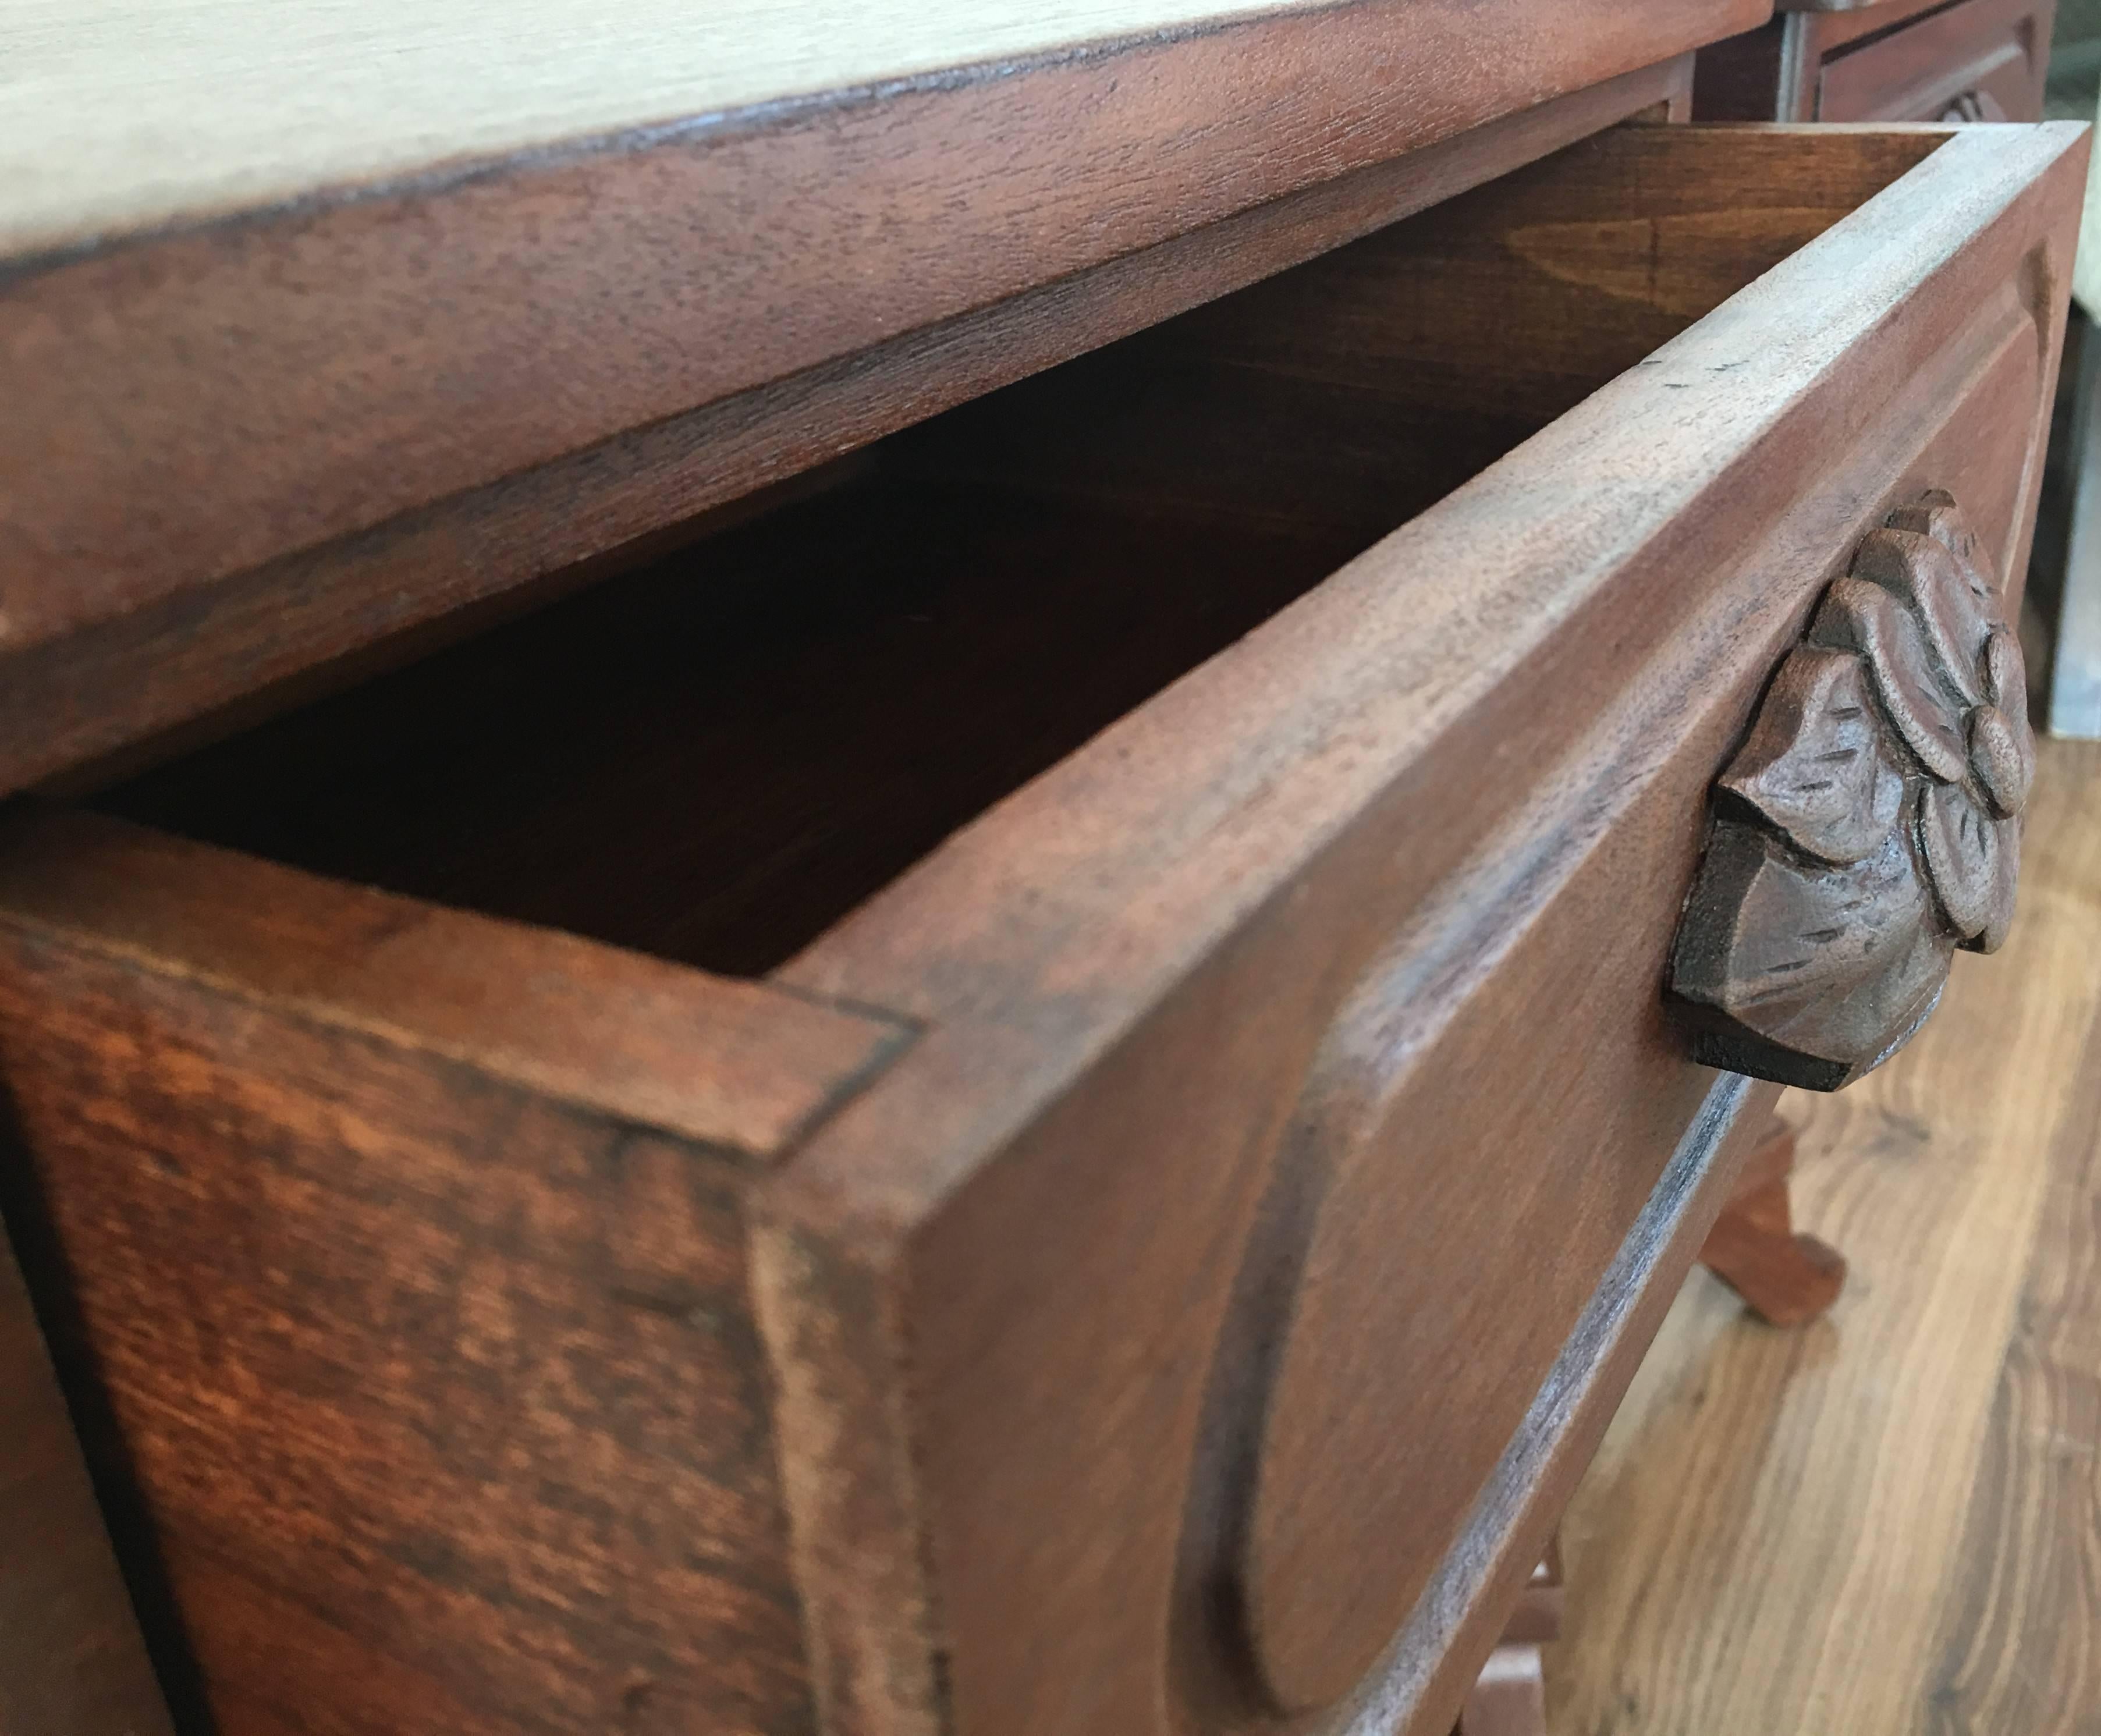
713, 756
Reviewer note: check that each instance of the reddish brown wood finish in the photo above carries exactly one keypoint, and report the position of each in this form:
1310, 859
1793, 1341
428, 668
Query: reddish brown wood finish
407, 1248
1993, 53
1112, 1283
1786, 1278
262, 388
253, 641
1838, 25
1141, 509
71, 1660
1898, 60
989, 1180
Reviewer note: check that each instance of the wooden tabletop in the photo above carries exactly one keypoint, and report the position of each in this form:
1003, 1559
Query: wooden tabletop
322, 319
120, 116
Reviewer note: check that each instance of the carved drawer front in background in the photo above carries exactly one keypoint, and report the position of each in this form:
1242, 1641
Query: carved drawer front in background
1871, 824
1028, 1095
1892, 60
1979, 61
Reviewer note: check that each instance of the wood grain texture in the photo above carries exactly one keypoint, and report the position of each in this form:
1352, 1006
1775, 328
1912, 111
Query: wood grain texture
1881, 1523
1993, 52
106, 135
1827, 32
72, 1663
1902, 60
1231, 409
1217, 956
296, 375
735, 1066
425, 1342
1084, 958
717, 759
1141, 508
258, 630
2020, 1638
1870, 824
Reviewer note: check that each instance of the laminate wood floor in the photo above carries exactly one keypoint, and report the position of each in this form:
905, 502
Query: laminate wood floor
1890, 1522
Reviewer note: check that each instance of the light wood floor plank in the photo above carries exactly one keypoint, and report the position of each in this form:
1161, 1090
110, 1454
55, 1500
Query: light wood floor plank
1779, 1537
2021, 1646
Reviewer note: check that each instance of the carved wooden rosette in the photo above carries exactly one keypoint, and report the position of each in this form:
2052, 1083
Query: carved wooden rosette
1871, 824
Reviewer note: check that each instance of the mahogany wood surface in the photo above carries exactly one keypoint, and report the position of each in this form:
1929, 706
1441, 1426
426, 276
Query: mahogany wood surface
406, 1253
226, 396
1837, 26
1101, 1319
1787, 1278
1980, 60
245, 641
105, 138
1934, 61
1040, 561
72, 1663
1009, 1168
715, 759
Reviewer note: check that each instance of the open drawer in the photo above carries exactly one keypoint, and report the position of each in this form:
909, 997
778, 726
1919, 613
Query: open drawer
1027, 1094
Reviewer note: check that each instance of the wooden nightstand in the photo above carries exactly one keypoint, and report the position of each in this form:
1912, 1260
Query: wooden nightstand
1005, 1070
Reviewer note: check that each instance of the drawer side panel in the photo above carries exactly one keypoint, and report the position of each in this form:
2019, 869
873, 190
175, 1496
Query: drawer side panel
441, 1397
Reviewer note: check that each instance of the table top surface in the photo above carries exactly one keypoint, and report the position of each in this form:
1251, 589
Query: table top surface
119, 115
324, 319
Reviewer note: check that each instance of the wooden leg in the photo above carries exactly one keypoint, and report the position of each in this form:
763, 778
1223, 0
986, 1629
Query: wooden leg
1510, 1698
1785, 1278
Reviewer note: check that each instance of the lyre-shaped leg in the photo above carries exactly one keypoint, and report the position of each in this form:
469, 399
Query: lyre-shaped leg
1785, 1277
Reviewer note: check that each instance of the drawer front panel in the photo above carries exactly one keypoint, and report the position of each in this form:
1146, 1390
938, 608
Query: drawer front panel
1981, 61
1208, 1339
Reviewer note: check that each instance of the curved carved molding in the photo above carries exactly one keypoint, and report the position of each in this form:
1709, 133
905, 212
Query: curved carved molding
1870, 824
1970, 108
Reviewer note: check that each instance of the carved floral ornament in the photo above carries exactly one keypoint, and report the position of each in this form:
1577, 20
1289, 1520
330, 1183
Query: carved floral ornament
1871, 824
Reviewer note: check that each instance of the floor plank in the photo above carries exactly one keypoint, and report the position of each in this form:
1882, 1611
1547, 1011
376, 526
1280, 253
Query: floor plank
2021, 1648
1888, 1522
